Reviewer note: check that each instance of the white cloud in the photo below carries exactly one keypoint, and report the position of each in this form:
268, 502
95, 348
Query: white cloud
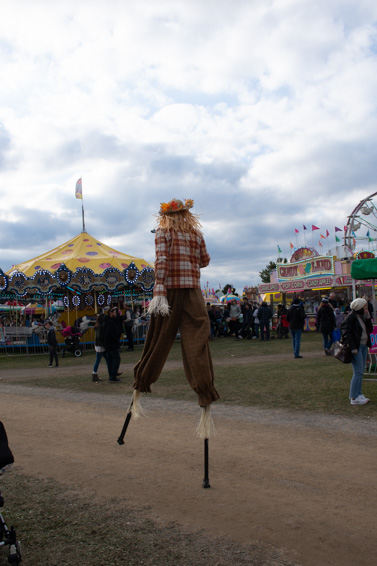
263, 112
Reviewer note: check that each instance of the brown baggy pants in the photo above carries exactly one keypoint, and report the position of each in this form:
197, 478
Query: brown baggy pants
189, 314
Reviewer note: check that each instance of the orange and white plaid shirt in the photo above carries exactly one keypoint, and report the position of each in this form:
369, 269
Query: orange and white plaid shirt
179, 257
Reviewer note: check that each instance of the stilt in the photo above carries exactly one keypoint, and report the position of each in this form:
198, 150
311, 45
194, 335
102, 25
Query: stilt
125, 426
134, 409
205, 483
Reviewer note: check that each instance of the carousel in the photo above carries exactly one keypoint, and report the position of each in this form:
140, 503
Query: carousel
83, 275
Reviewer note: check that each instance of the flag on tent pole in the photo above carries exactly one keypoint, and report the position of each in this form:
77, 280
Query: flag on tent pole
327, 234
314, 228
322, 236
279, 250
304, 226
291, 245
320, 243
296, 231
79, 189
337, 239
345, 228
79, 196
368, 234
337, 229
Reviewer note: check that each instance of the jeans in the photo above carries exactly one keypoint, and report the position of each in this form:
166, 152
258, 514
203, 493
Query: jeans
98, 359
53, 355
129, 335
256, 329
327, 340
265, 327
358, 366
296, 341
112, 358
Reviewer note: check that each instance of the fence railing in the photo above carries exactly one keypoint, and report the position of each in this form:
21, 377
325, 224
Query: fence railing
28, 343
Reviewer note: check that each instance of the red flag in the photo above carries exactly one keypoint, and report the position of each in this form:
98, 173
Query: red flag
296, 230
345, 228
323, 237
320, 244
327, 233
292, 246
314, 228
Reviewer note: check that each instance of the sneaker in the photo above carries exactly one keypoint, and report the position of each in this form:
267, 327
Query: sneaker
362, 396
359, 401
119, 373
297, 357
115, 380
50, 366
95, 377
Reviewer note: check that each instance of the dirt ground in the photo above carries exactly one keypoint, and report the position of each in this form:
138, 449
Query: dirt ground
303, 484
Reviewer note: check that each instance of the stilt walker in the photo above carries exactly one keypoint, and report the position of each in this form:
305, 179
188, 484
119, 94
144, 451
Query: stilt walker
178, 304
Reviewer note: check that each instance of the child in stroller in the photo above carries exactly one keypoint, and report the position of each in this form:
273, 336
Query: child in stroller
7, 536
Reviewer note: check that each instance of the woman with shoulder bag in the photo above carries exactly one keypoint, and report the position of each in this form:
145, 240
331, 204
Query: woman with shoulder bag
356, 330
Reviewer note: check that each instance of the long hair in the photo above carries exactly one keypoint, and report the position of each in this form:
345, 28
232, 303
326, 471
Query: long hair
183, 221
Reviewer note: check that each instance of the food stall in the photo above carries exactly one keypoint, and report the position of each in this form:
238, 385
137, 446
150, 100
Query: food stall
309, 276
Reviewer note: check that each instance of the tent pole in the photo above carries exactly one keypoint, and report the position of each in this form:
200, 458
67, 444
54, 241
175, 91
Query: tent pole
354, 288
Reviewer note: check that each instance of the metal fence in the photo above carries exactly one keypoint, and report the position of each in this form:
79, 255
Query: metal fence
35, 343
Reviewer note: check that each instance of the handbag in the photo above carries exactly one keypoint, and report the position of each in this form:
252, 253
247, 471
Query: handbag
342, 352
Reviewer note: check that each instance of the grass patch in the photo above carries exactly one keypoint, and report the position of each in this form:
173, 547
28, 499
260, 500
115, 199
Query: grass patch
270, 378
60, 528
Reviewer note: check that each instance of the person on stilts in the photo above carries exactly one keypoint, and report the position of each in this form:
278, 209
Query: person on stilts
178, 304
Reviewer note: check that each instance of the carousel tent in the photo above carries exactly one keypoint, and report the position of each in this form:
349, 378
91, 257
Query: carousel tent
82, 264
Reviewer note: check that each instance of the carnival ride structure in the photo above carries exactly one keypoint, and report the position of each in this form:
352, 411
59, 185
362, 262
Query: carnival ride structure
361, 226
82, 269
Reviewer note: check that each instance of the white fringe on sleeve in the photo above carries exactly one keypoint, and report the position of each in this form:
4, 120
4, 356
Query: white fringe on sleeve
159, 305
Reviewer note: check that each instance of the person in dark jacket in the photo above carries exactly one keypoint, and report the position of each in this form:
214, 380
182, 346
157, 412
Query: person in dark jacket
296, 318
248, 321
52, 343
264, 316
356, 330
326, 323
112, 330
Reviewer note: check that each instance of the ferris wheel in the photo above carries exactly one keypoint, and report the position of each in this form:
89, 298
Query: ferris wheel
361, 229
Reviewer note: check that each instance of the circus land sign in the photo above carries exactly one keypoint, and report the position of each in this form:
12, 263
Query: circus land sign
312, 273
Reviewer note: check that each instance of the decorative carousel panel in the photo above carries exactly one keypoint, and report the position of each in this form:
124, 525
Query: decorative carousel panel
18, 283
44, 282
112, 278
3, 280
63, 275
131, 274
146, 279
83, 279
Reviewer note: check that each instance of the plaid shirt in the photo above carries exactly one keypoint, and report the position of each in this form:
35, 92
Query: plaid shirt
179, 257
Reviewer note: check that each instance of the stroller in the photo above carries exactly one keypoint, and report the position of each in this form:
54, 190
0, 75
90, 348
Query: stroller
7, 536
72, 341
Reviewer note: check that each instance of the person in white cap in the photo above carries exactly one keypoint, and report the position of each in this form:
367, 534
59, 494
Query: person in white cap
356, 330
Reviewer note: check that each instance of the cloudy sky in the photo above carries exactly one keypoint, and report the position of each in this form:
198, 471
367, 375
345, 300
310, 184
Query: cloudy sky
262, 111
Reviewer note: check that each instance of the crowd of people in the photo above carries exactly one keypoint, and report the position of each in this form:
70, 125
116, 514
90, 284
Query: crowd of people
349, 322
248, 319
